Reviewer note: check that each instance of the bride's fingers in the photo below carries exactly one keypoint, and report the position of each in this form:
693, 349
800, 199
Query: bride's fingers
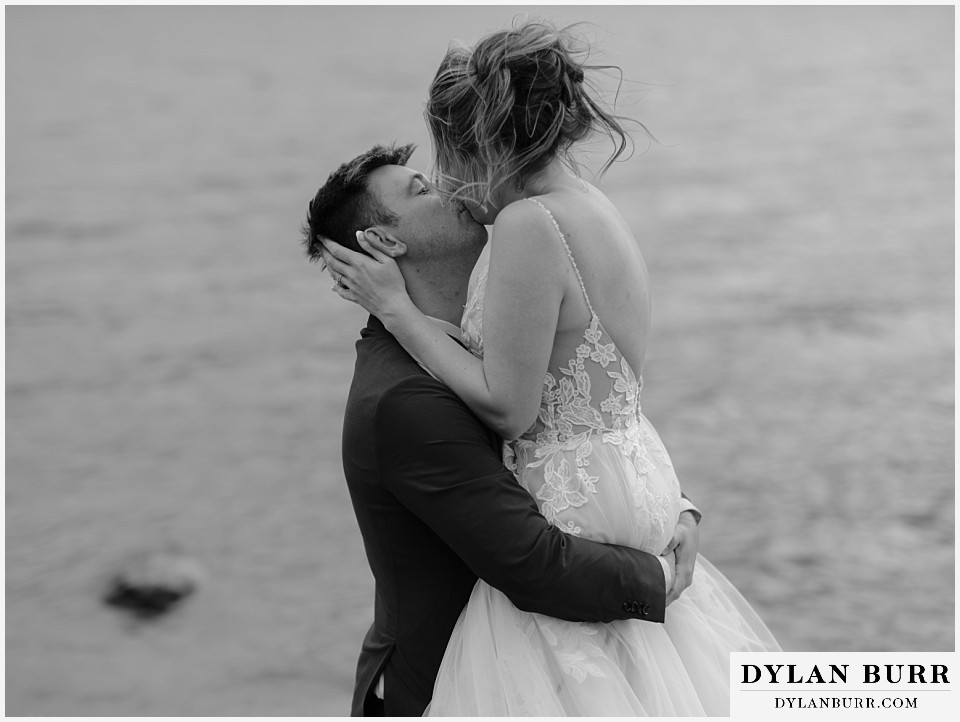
336, 268
672, 545
345, 293
343, 254
325, 258
682, 580
328, 249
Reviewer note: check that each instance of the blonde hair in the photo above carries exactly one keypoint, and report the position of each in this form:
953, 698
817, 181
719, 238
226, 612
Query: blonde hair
505, 109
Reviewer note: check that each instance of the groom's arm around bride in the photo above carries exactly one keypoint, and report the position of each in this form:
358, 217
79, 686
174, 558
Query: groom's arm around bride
440, 467
437, 509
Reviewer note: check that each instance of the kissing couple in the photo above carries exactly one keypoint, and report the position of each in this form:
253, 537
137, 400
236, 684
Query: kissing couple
532, 549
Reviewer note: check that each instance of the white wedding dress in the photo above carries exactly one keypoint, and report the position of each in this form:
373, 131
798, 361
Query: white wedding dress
597, 469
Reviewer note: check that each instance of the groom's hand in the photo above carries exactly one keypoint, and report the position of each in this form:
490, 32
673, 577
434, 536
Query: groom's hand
685, 544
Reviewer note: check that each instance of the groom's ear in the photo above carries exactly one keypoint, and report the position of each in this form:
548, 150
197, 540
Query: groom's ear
385, 242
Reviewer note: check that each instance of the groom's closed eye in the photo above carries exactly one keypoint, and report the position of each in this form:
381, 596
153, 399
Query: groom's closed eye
419, 185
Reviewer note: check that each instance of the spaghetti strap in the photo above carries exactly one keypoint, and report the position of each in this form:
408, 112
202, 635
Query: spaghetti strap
566, 247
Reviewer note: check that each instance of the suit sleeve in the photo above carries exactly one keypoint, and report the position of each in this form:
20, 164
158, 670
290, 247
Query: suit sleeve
439, 461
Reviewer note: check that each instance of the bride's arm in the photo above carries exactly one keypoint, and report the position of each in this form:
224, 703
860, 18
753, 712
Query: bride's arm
525, 288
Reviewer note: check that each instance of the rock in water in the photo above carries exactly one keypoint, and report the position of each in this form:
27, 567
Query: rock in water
151, 583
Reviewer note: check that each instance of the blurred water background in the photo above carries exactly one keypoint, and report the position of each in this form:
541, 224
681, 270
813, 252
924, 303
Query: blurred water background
176, 372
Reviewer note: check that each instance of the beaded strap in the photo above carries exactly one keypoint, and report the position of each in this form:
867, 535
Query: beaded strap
566, 247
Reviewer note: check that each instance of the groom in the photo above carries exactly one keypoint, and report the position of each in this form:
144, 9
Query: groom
435, 506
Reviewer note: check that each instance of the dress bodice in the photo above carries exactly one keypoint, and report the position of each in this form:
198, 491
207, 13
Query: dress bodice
590, 403
570, 387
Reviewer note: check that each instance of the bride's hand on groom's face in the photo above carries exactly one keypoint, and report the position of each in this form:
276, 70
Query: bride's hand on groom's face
685, 544
373, 281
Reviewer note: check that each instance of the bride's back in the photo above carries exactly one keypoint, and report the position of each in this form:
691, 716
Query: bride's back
613, 271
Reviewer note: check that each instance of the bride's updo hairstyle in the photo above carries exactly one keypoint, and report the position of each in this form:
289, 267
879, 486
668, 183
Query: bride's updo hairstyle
502, 111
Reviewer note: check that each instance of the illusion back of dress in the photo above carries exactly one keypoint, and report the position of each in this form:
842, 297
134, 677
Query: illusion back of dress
593, 462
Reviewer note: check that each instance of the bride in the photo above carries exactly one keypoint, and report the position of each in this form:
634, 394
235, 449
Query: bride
556, 328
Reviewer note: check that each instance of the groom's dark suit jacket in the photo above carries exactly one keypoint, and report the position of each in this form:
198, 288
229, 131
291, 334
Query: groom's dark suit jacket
436, 510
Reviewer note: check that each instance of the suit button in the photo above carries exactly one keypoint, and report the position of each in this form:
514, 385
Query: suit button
646, 610
626, 606
635, 607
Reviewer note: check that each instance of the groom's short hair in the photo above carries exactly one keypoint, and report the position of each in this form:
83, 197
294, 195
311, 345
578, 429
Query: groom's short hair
345, 204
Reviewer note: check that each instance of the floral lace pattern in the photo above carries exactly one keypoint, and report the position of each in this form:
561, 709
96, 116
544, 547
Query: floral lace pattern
568, 422
575, 648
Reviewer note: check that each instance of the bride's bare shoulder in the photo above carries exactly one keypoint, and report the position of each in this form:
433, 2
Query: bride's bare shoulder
527, 214
524, 227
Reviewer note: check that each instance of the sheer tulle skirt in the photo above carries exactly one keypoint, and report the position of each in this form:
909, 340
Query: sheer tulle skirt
505, 662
